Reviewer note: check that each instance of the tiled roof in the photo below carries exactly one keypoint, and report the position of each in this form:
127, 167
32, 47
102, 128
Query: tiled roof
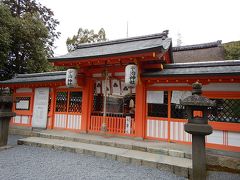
197, 46
36, 77
228, 67
118, 47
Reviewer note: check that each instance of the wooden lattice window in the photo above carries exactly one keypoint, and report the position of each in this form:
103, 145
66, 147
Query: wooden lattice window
226, 110
61, 101
97, 104
75, 102
69, 101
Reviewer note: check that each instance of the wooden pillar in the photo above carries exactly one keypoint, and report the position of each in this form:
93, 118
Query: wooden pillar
87, 94
52, 108
140, 112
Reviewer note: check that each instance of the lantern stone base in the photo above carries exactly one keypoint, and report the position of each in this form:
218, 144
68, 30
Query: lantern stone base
4, 126
6, 102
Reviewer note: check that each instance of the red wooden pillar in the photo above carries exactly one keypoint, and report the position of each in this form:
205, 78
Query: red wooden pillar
52, 108
87, 94
140, 112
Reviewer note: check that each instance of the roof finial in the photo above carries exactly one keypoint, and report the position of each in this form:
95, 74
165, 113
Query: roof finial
197, 88
165, 32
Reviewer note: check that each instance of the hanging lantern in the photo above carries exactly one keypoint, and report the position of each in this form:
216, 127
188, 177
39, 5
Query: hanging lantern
71, 78
131, 75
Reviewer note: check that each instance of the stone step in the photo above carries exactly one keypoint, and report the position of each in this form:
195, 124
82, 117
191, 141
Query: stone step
152, 147
176, 165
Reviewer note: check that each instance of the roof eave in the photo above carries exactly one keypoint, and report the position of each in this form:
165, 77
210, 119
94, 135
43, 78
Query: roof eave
187, 75
17, 83
106, 55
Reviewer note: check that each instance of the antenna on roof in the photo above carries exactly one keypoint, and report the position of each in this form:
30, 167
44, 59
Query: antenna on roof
179, 39
127, 29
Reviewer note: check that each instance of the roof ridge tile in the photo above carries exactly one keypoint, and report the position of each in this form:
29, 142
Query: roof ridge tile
197, 46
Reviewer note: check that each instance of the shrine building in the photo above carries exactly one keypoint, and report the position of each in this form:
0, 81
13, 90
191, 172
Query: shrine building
148, 109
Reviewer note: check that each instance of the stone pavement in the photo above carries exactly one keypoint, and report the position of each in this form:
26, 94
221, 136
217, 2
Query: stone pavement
172, 157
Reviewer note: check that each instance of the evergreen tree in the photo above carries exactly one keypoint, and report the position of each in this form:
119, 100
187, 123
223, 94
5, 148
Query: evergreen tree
85, 36
232, 50
30, 31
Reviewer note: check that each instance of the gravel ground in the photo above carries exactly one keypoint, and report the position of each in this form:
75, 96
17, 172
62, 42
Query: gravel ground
25, 162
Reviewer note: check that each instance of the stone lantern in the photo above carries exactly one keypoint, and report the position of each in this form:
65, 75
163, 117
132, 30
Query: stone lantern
198, 108
6, 102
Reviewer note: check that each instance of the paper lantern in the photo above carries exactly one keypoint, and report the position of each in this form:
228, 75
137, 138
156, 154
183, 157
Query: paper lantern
131, 75
71, 78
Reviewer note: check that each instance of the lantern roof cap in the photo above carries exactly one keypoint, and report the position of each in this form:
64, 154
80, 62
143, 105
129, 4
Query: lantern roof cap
196, 99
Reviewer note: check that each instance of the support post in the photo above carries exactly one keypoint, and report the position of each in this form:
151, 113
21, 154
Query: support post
104, 123
140, 109
199, 157
87, 93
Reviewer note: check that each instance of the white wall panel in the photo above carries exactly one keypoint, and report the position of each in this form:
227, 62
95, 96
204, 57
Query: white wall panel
234, 139
222, 87
216, 137
22, 90
177, 132
60, 120
157, 129
74, 122
25, 119
17, 119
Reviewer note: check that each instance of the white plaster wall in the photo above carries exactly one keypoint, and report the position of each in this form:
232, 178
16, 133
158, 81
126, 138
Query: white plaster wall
21, 90
234, 139
25, 119
60, 120
177, 132
171, 84
74, 121
222, 87
216, 137
157, 129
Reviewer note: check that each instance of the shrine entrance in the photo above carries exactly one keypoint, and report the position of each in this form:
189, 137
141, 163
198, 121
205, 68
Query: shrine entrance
68, 109
120, 107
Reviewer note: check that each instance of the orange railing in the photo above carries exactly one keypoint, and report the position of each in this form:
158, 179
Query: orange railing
115, 125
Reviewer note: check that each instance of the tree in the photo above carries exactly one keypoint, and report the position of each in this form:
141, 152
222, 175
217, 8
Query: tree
232, 50
85, 36
19, 8
30, 31
5, 38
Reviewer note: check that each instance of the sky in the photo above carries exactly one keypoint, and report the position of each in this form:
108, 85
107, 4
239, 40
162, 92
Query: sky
197, 21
